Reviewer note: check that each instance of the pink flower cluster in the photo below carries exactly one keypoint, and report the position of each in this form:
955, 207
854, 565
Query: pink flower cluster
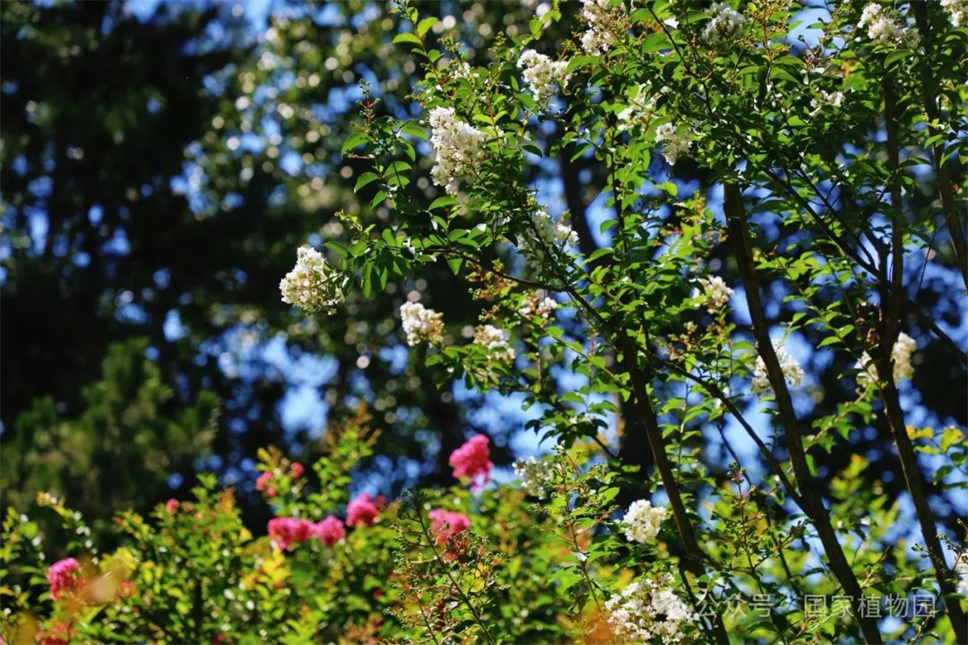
446, 524
473, 460
62, 576
264, 482
363, 510
286, 531
330, 531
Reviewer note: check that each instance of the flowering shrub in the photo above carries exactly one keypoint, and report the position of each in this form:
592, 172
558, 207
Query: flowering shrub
763, 542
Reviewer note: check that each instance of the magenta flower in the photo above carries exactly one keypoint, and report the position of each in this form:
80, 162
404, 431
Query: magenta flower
330, 530
286, 531
473, 460
362, 511
263, 481
446, 524
62, 576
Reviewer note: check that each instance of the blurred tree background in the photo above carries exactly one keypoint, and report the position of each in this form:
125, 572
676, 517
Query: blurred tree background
161, 163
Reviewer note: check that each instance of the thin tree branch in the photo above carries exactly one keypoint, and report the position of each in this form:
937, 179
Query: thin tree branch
941, 171
813, 504
890, 326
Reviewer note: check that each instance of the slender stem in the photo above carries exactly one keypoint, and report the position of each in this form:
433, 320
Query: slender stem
717, 393
913, 478
693, 556
893, 299
890, 323
629, 351
941, 171
868, 266
813, 504
454, 584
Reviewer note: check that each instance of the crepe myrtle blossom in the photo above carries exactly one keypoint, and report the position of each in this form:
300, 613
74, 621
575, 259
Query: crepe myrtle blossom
421, 324
901, 354
714, 294
536, 475
494, 341
461, 69
362, 511
649, 609
885, 26
827, 99
286, 531
311, 285
674, 144
473, 460
546, 237
329, 531
264, 483
171, 506
538, 307
63, 576
459, 147
642, 521
792, 371
606, 21
543, 74
641, 105
724, 28
958, 10
446, 524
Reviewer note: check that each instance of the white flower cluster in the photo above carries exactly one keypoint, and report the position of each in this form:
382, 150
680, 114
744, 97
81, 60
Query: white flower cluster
459, 146
714, 295
648, 610
605, 22
961, 570
311, 285
828, 99
538, 306
548, 235
724, 28
901, 353
958, 10
535, 474
421, 324
791, 370
543, 74
641, 105
642, 521
673, 144
492, 339
461, 69
885, 26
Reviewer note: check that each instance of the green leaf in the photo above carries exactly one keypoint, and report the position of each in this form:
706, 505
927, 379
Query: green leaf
656, 42
365, 179
378, 199
407, 37
414, 130
424, 26
455, 264
441, 202
354, 140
